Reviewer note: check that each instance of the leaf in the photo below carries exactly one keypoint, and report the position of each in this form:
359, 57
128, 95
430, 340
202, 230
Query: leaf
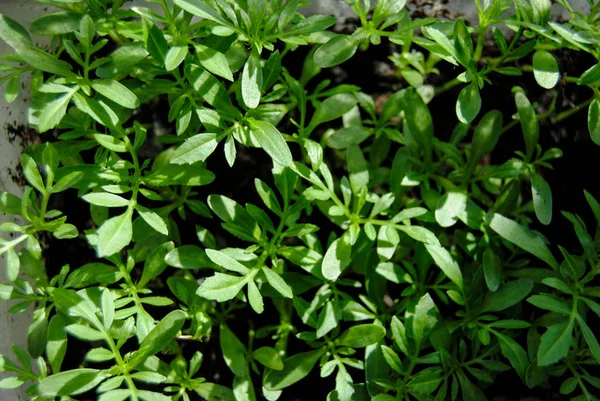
115, 234
202, 10
508, 295
444, 261
12, 89
153, 219
214, 392
590, 76
194, 149
485, 137
420, 234
155, 263
594, 121
551, 303
159, 337
328, 319
269, 357
37, 335
13, 33
255, 298
468, 104
555, 343
522, 237
423, 318
234, 352
419, 121
426, 381
545, 69
105, 199
31, 172
332, 108
337, 50
117, 92
590, 338
191, 176
10, 204
361, 335
252, 81
358, 168
221, 287
542, 198
226, 261
70, 382
492, 269
155, 41
336, 258
110, 142
187, 257
55, 23
295, 368
175, 56
277, 282
514, 353
271, 140
529, 123
214, 61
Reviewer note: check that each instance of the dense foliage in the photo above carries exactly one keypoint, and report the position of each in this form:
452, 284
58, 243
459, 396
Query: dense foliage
399, 262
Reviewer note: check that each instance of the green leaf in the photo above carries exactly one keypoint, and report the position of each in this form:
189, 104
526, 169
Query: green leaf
529, 123
255, 298
419, 121
71, 382
153, 219
337, 50
522, 237
328, 319
201, 10
31, 172
420, 234
117, 92
361, 335
44, 61
155, 41
252, 81
545, 69
175, 56
194, 149
213, 61
110, 142
155, 263
226, 261
180, 175
115, 234
55, 23
277, 282
213, 392
234, 352
105, 199
594, 121
221, 287
269, 357
14, 34
542, 198
507, 295
492, 269
336, 258
424, 317
10, 204
555, 343
159, 337
551, 303
590, 76
485, 137
358, 168
468, 104
332, 108
37, 334
426, 381
446, 263
399, 335
187, 257
590, 338
271, 140
514, 353
295, 368
13, 87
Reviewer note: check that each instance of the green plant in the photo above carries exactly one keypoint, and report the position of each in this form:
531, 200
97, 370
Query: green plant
401, 261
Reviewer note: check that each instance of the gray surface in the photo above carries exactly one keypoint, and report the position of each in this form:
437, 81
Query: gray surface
13, 327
